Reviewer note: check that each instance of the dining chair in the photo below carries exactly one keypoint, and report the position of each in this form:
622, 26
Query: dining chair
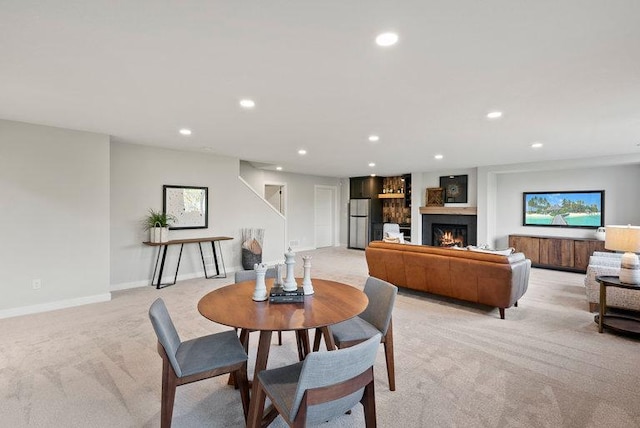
195, 359
323, 386
376, 318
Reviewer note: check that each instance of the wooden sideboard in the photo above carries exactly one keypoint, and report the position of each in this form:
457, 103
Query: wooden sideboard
555, 252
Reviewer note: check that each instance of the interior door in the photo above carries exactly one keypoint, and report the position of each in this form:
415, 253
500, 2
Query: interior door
324, 214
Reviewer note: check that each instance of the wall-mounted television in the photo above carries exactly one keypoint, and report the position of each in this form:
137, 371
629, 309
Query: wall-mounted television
581, 208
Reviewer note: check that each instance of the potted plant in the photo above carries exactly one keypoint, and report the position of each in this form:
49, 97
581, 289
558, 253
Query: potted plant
157, 223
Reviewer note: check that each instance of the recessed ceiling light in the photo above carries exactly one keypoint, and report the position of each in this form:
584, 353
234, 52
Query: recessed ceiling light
438, 157
302, 152
373, 138
372, 164
279, 168
247, 103
494, 115
372, 175
185, 131
387, 39
536, 145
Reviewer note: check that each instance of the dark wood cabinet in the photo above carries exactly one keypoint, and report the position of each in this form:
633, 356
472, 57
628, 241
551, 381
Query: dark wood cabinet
365, 187
557, 252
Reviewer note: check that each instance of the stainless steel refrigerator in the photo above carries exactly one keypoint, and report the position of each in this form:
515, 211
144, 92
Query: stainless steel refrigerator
359, 223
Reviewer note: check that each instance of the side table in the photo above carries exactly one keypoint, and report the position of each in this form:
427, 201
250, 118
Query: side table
616, 322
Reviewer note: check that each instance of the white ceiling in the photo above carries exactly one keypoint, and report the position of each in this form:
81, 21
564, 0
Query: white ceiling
564, 72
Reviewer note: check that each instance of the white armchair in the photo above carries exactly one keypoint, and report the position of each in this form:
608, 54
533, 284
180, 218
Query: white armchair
602, 263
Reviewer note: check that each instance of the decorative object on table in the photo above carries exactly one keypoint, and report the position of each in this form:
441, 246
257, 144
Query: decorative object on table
279, 295
260, 291
188, 205
290, 283
306, 280
600, 234
627, 239
435, 197
157, 223
277, 282
455, 188
252, 240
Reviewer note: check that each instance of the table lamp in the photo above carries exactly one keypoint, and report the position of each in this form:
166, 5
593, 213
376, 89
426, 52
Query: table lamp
625, 238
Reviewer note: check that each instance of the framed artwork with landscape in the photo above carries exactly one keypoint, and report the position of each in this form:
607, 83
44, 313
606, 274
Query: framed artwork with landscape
580, 209
188, 205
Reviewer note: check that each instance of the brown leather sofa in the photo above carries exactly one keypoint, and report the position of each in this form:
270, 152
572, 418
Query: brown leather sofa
489, 279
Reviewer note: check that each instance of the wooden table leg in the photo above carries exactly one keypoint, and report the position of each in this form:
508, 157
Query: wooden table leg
328, 338
256, 404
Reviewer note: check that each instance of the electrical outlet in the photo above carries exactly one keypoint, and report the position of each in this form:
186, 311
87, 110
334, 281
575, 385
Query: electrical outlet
36, 284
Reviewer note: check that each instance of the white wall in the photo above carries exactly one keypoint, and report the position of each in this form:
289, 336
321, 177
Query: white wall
137, 176
54, 187
620, 183
299, 201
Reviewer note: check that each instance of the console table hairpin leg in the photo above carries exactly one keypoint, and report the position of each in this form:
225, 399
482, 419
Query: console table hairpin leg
215, 261
163, 249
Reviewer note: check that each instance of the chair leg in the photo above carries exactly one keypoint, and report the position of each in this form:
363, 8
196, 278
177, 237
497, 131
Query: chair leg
243, 384
169, 384
388, 355
369, 404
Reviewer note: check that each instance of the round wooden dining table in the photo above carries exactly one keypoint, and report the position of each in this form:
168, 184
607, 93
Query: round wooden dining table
232, 305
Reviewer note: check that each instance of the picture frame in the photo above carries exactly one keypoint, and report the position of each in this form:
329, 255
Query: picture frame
435, 197
568, 209
189, 205
455, 187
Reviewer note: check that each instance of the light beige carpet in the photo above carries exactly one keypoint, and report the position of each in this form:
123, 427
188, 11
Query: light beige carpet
458, 365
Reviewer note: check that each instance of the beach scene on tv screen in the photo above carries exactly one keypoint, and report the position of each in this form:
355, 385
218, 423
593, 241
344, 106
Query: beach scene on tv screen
563, 209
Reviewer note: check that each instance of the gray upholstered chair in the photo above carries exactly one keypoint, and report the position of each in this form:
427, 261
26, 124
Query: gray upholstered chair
195, 359
375, 319
324, 386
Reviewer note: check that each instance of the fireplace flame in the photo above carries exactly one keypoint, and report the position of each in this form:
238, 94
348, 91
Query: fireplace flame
448, 240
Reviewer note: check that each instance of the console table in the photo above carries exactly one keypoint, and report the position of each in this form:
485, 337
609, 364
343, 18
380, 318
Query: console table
163, 249
622, 323
555, 252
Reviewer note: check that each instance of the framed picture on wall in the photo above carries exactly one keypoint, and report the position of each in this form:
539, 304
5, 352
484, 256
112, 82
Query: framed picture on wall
435, 197
455, 188
188, 204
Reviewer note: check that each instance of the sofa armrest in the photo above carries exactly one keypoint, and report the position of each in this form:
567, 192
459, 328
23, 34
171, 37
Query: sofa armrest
519, 279
592, 287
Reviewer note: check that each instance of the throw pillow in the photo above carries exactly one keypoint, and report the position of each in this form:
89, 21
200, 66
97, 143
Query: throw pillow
505, 252
397, 237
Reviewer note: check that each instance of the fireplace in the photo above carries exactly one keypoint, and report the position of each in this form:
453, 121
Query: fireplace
449, 235
455, 223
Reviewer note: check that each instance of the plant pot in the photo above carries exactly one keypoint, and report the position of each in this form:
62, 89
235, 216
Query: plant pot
600, 234
158, 234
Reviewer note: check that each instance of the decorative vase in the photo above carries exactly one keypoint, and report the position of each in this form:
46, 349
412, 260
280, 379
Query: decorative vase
290, 282
158, 234
260, 291
306, 281
600, 234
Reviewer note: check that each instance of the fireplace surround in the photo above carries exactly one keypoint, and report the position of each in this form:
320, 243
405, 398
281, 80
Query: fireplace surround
451, 220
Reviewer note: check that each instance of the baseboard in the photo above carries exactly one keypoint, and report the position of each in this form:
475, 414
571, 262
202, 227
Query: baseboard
52, 306
168, 279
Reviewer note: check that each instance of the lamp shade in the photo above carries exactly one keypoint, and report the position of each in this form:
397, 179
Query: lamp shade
622, 238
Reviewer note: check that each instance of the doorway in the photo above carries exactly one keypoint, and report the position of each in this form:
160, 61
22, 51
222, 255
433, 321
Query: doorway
274, 194
325, 215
